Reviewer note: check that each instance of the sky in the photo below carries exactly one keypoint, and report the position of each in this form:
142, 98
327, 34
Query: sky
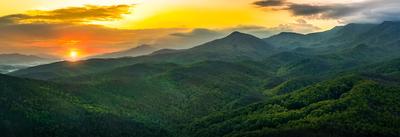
90, 27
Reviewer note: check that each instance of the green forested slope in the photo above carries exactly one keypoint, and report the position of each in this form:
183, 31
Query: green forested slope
35, 108
183, 96
345, 106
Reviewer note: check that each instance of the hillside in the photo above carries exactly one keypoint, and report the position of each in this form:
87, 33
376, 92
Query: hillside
196, 95
36, 108
344, 106
359, 103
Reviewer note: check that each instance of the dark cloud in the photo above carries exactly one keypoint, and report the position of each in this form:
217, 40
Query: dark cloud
311, 10
322, 11
307, 10
270, 3
364, 11
10, 19
69, 15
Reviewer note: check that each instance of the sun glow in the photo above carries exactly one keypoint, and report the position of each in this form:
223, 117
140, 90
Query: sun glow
73, 55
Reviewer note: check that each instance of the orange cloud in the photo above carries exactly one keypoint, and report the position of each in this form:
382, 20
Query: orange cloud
84, 14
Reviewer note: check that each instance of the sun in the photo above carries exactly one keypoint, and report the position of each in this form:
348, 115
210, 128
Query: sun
73, 55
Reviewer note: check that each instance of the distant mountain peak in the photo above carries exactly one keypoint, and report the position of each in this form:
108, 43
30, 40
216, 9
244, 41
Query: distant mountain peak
143, 46
22, 59
11, 55
236, 44
140, 47
140, 50
39, 56
291, 33
237, 36
236, 33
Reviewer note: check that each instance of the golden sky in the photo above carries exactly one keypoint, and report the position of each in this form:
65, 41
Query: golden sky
98, 26
171, 13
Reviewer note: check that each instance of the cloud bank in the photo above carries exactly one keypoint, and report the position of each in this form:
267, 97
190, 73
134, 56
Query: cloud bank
364, 11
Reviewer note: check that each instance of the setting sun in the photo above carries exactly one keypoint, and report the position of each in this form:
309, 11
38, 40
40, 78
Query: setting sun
73, 55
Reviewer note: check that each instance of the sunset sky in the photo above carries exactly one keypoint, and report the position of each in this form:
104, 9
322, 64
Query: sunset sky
57, 27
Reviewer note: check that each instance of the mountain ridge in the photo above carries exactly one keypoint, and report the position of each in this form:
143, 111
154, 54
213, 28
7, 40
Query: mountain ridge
21, 59
234, 46
14, 61
131, 52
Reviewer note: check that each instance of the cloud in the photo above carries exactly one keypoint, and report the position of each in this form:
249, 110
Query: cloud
311, 10
323, 11
10, 19
362, 11
199, 32
375, 11
300, 26
83, 14
258, 31
270, 3
188, 38
301, 21
307, 10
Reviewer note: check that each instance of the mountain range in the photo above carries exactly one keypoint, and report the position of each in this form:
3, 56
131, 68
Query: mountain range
132, 52
12, 62
343, 82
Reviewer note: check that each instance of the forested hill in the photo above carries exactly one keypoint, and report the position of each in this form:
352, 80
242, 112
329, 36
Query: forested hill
36, 108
